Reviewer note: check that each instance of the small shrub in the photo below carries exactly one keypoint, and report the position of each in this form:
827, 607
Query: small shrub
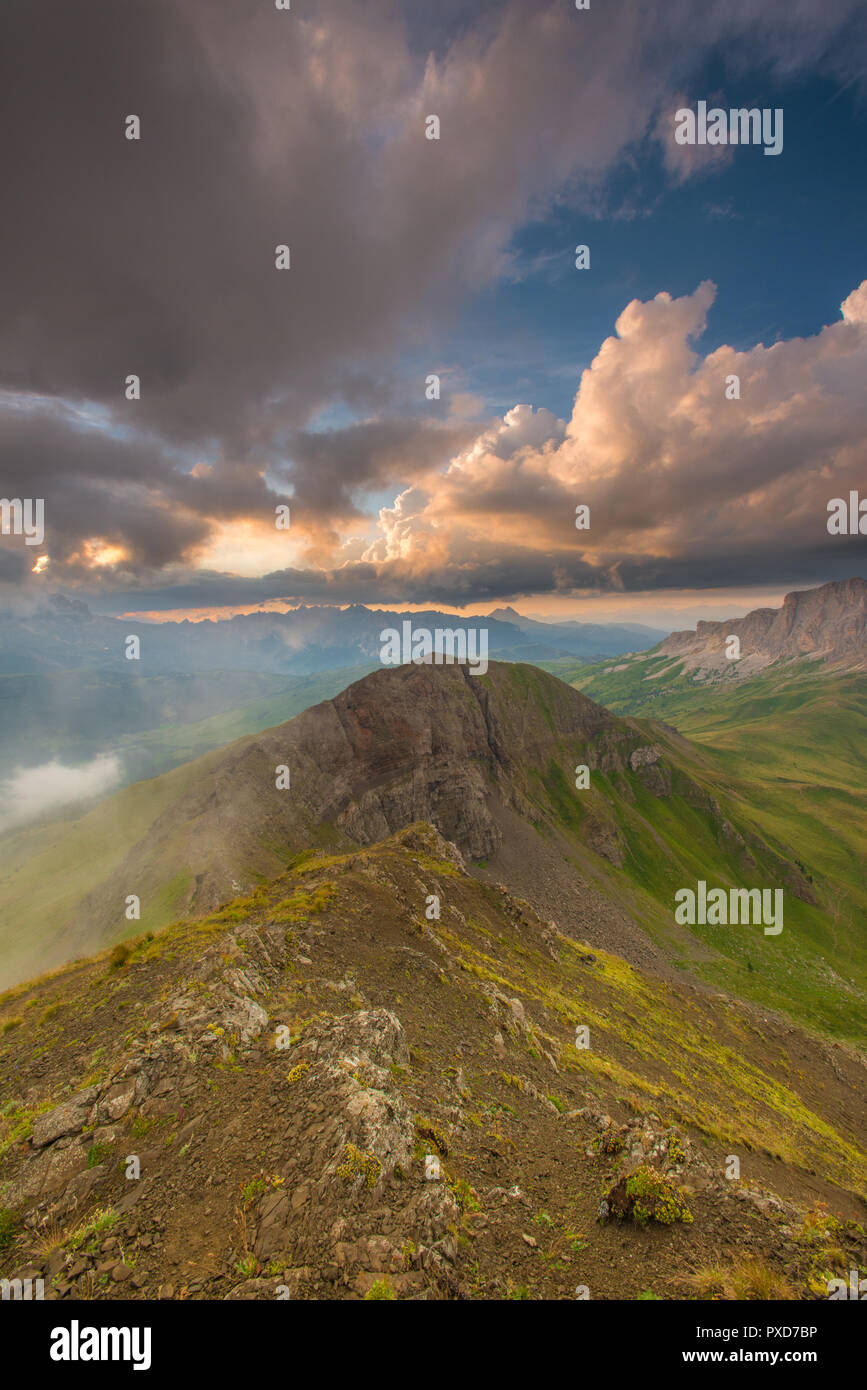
466, 1197
645, 1195
654, 1199
613, 1140
676, 1151
359, 1165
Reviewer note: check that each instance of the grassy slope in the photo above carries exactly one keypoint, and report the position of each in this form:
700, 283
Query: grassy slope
46, 870
782, 753
48, 867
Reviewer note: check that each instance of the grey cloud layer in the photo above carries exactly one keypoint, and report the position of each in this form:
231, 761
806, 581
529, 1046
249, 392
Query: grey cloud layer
262, 127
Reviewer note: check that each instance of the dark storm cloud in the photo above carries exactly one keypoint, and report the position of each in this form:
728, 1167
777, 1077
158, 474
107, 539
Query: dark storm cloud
500, 576
129, 491
332, 466
261, 127
122, 491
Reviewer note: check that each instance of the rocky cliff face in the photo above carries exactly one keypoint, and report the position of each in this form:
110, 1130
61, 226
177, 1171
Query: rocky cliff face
827, 624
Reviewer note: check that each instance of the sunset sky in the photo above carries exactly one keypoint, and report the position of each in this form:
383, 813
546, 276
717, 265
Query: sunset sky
412, 257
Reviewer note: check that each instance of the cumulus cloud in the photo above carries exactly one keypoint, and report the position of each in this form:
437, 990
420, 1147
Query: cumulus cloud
37, 791
682, 482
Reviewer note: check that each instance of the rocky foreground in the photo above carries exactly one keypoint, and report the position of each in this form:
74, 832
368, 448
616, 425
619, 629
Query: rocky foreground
327, 1090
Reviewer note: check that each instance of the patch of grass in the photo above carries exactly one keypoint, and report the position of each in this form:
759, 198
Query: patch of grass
516, 1082
427, 1130
303, 904
101, 1221
466, 1197
383, 1289
16, 1122
747, 1281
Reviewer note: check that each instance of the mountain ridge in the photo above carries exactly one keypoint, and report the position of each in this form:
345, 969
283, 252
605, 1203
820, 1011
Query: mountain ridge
330, 1095
491, 761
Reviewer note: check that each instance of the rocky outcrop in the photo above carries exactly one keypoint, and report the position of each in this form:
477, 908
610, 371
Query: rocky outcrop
827, 624
645, 757
350, 1137
68, 1118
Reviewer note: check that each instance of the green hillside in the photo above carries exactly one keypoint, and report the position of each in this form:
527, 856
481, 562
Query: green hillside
782, 752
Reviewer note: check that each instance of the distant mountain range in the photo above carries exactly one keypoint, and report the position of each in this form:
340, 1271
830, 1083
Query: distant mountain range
67, 636
580, 639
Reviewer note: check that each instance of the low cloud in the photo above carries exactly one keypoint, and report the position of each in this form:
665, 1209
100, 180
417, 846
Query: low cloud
35, 791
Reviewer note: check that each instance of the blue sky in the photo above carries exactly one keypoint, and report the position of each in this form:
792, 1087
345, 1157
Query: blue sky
784, 238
